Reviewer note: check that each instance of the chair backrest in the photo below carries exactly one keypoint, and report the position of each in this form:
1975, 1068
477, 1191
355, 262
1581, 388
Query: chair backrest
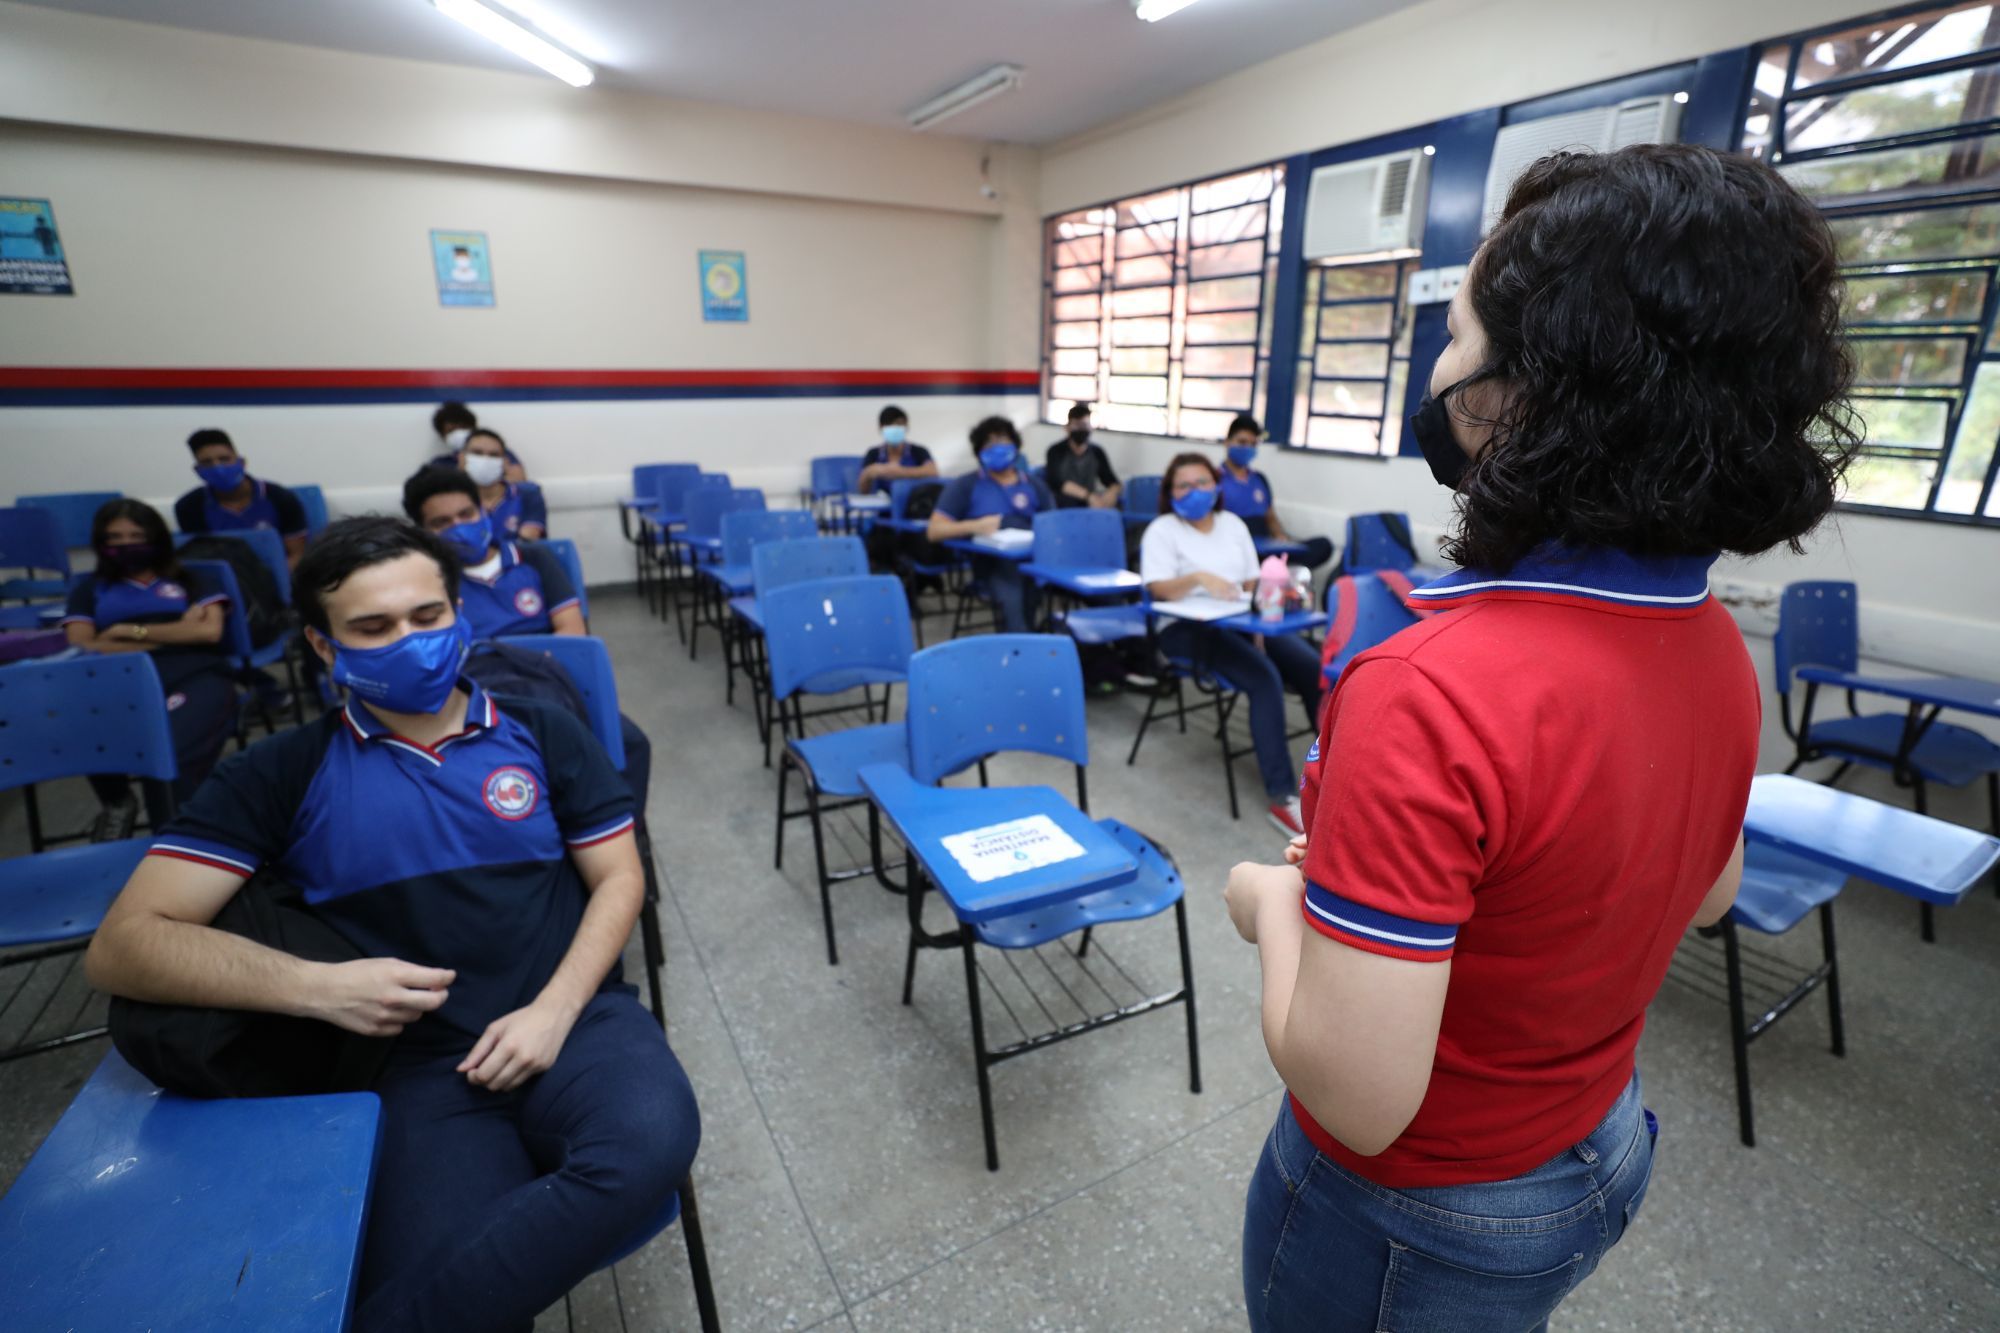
564, 550
1141, 496
1076, 538
705, 505
899, 494
992, 693
587, 663
268, 545
30, 538
831, 474
1817, 626
1378, 541
747, 529
823, 626
775, 564
648, 481
236, 640
79, 715
73, 511
850, 475
313, 500
1365, 610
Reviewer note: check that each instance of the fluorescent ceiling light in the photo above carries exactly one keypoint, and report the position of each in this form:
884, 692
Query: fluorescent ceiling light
530, 46
1154, 10
967, 95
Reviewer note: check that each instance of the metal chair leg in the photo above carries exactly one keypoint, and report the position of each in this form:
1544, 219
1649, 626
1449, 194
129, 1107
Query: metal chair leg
1187, 985
784, 779
979, 1056
1739, 1034
1926, 917
1839, 1046
704, 1287
819, 865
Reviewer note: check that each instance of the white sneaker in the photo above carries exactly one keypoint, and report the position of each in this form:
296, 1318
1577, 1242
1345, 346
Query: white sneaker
1287, 816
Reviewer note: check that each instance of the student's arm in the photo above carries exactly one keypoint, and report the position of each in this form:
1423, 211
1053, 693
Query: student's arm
944, 527
1107, 498
568, 620
291, 523
1187, 585
189, 516
515, 470
1271, 523
1719, 899
1156, 566
295, 546
534, 513
558, 593
201, 624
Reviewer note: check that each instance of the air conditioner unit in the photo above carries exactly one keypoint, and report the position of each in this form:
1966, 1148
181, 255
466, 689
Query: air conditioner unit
1601, 129
1367, 207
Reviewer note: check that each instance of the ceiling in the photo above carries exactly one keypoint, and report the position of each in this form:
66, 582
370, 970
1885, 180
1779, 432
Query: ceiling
870, 61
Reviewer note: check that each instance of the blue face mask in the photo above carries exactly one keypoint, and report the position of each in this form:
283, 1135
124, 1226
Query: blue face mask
1242, 455
999, 457
895, 434
415, 674
1196, 505
470, 540
222, 478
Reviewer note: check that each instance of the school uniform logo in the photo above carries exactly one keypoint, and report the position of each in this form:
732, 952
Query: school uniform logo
175, 700
1258, 495
1312, 755
168, 591
513, 522
528, 602
511, 792
1020, 499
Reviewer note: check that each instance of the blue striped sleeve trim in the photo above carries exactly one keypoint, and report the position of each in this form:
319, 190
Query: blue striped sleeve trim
203, 851
1376, 930
602, 833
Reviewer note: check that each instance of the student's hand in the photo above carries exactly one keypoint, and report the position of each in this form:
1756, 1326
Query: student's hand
515, 1047
1295, 851
1101, 500
982, 526
1217, 586
1254, 889
377, 997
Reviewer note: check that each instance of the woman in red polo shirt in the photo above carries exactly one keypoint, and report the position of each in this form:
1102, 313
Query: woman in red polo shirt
1515, 809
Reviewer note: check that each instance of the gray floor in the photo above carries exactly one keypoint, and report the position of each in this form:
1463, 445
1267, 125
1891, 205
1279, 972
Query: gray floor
841, 1176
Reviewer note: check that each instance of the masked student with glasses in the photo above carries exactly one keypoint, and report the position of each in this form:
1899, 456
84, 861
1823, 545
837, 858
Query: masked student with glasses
229, 499
1001, 494
1516, 807
481, 857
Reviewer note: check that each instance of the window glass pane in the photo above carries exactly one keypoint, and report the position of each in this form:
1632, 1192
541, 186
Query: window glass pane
1146, 240
1767, 88
1138, 272
1074, 307
1405, 334
1074, 361
1238, 327
1232, 190
1897, 44
1139, 332
1347, 398
1392, 420
1139, 361
1917, 298
1136, 388
1349, 360
1232, 224
1220, 360
1082, 250
1073, 335
1339, 284
1908, 360
1143, 301
1931, 233
1218, 260
1074, 386
1216, 393
1933, 168
1204, 425
1225, 294
1931, 102
1083, 278
1917, 423
1140, 420
1352, 436
1160, 207
1898, 483
1356, 321
1972, 453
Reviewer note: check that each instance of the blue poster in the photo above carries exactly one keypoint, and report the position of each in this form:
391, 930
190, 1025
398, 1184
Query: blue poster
725, 289
464, 268
31, 254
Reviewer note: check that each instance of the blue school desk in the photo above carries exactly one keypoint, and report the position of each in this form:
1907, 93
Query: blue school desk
1926, 858
1084, 581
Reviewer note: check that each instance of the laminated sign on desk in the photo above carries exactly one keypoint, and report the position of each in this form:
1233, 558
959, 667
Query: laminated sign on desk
1000, 850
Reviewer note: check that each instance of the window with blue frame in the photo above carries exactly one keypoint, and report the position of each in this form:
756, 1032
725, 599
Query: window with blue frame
1354, 357
1158, 308
1893, 127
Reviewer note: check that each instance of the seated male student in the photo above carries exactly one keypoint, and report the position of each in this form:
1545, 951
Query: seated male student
517, 507
1080, 472
453, 424
509, 588
1001, 494
481, 859
894, 459
1247, 493
231, 500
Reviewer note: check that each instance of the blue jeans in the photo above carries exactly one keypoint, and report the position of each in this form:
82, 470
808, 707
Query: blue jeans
1014, 597
1326, 1250
489, 1206
1285, 662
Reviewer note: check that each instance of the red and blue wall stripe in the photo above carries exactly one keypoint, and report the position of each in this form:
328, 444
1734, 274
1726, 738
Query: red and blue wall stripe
76, 386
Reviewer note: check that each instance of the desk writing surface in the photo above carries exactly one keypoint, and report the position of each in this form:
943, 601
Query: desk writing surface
1926, 858
1085, 580
1961, 692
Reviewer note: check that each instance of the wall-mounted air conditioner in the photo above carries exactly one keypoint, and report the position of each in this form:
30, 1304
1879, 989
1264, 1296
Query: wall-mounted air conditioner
1601, 129
1367, 207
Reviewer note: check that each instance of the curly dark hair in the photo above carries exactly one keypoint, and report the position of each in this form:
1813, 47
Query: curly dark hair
348, 544
427, 482
1663, 332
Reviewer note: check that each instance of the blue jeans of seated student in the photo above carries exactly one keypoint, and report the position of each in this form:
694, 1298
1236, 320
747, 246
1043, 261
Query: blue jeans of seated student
489, 1206
1328, 1251
1015, 598
1263, 675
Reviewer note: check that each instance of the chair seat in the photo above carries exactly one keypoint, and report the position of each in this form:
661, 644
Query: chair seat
63, 893
1948, 755
1105, 624
736, 580
27, 587
705, 545
1779, 888
747, 610
842, 679
29, 617
1156, 888
836, 759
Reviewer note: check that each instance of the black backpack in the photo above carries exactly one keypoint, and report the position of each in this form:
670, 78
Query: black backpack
507, 671
921, 503
269, 618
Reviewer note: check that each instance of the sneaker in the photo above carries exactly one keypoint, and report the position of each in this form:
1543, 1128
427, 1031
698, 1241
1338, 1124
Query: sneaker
1288, 817
1139, 680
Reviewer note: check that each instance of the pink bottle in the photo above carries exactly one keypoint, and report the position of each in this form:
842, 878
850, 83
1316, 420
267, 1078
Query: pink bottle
1274, 581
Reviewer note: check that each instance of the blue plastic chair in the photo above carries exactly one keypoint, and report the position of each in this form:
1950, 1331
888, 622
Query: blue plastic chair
1365, 611
701, 538
773, 564
649, 480
947, 570
1140, 501
1818, 625
74, 511
245, 658
742, 533
30, 540
831, 476
972, 699
829, 636
564, 550
313, 500
1086, 539
71, 718
1378, 541
667, 580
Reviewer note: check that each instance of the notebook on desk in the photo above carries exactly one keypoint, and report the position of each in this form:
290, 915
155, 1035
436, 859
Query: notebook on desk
1202, 607
1006, 539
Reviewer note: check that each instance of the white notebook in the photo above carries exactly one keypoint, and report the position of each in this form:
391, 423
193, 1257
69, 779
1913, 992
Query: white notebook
1202, 607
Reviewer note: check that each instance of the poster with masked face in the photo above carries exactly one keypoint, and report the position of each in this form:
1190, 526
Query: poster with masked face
464, 268
31, 253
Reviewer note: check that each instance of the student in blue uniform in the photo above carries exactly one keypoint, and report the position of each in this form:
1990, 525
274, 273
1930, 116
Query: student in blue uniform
1247, 494
519, 513
481, 858
1001, 494
509, 588
230, 499
896, 457
453, 423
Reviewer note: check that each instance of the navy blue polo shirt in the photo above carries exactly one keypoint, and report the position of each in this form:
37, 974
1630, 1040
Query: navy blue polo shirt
271, 506
1248, 497
529, 587
976, 494
102, 603
522, 503
449, 855
912, 455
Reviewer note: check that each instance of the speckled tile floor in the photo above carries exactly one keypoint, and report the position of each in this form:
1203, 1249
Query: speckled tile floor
841, 1178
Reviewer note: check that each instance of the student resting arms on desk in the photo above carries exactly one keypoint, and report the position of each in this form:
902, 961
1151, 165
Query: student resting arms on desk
1514, 809
1196, 548
229, 499
480, 856
1079, 472
1001, 494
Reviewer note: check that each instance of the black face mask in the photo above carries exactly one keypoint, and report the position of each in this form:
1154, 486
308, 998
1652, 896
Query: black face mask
1432, 426
131, 559
1078, 436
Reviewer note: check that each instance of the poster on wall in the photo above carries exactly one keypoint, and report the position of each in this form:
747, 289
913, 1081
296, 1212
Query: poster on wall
31, 254
464, 268
725, 290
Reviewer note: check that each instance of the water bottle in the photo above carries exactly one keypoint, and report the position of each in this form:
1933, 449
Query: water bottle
1302, 588
1274, 581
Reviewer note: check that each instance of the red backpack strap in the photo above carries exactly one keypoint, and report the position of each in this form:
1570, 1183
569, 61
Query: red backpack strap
1346, 609
1397, 582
